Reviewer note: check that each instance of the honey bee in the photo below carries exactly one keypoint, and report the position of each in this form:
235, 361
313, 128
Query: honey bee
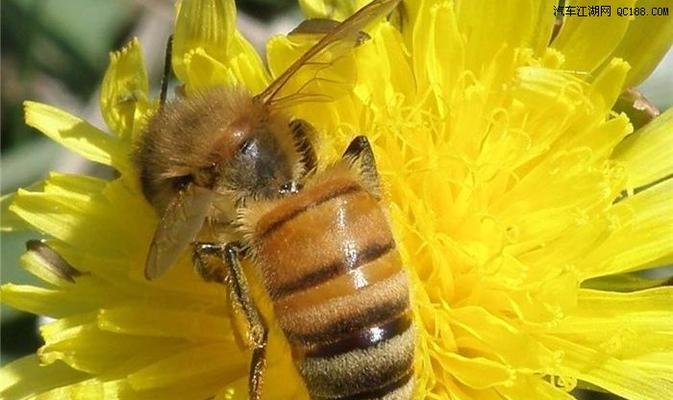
233, 176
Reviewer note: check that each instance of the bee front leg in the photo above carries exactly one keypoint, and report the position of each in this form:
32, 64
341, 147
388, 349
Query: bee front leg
234, 278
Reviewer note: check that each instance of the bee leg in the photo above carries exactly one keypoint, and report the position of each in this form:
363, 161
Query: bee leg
303, 132
234, 278
167, 72
257, 330
360, 153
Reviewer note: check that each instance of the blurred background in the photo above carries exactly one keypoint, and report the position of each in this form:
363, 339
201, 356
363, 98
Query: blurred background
56, 52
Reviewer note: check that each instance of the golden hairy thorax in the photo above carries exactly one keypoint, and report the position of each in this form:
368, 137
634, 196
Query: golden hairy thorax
188, 139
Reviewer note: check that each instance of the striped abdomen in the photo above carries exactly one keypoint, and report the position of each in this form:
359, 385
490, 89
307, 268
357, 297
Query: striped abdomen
331, 267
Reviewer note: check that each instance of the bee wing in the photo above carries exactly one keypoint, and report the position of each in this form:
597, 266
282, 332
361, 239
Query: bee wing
349, 30
179, 225
315, 25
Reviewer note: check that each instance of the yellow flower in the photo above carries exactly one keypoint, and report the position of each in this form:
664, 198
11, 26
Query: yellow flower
520, 201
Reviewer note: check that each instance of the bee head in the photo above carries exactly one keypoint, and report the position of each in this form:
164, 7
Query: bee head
263, 163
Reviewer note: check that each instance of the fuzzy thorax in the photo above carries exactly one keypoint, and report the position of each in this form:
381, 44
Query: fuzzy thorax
220, 139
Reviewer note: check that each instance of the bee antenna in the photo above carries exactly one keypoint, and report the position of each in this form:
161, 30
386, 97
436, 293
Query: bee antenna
167, 71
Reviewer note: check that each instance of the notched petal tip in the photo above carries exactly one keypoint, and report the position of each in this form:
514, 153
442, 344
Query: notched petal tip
9, 221
647, 153
609, 82
203, 24
208, 51
646, 42
124, 91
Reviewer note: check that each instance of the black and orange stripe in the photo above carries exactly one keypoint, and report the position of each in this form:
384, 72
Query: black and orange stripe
340, 294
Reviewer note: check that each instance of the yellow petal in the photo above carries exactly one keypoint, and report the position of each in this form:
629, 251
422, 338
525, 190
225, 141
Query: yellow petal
543, 25
491, 24
528, 387
53, 303
245, 64
477, 372
203, 71
84, 347
632, 324
10, 222
438, 49
209, 27
656, 362
648, 154
593, 303
98, 388
389, 58
646, 41
498, 339
388, 41
150, 321
337, 10
641, 227
61, 218
25, 377
587, 42
628, 282
88, 389
124, 91
77, 135
209, 364
284, 382
608, 84
77, 187
616, 376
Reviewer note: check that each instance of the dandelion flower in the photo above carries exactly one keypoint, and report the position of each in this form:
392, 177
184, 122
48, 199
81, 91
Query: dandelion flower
521, 202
